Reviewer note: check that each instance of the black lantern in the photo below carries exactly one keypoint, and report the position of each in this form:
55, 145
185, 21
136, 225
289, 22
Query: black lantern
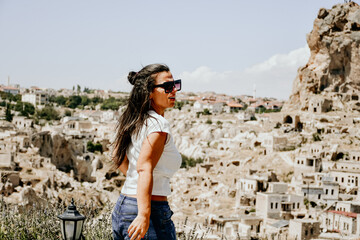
71, 223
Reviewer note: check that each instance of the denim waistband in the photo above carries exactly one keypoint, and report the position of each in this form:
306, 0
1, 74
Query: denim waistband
134, 200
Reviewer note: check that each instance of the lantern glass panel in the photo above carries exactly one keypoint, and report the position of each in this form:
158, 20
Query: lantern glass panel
79, 225
69, 229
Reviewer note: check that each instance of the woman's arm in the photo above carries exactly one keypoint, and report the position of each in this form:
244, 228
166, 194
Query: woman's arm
150, 153
124, 165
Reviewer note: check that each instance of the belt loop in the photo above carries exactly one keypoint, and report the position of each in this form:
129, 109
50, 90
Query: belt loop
122, 197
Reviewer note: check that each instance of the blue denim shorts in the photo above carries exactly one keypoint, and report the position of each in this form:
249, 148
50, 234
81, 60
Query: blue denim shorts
126, 210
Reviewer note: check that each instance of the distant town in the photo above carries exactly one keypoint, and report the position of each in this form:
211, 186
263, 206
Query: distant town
248, 169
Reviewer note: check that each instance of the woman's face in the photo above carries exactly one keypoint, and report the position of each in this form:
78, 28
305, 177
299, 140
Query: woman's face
159, 99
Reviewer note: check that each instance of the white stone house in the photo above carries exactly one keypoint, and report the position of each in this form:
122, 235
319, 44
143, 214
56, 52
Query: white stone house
346, 223
247, 185
348, 206
245, 226
79, 129
7, 160
346, 178
318, 187
22, 122
277, 205
274, 143
244, 116
233, 107
307, 164
36, 98
303, 229
354, 155
330, 188
212, 106
313, 193
23, 141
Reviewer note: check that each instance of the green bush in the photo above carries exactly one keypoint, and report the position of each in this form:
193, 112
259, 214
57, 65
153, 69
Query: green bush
179, 105
91, 147
206, 112
48, 113
208, 121
316, 137
188, 162
113, 103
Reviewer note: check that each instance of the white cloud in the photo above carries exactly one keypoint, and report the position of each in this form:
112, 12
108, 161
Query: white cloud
294, 58
273, 77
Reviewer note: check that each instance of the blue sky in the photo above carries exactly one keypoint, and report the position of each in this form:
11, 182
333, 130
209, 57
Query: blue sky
225, 46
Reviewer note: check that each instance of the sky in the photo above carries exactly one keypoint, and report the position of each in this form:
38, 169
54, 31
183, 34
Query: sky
225, 46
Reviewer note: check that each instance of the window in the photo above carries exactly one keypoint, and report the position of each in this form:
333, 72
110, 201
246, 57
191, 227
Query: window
326, 191
271, 205
298, 205
319, 196
342, 179
276, 205
332, 191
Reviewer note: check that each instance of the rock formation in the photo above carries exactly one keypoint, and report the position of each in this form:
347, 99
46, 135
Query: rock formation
331, 78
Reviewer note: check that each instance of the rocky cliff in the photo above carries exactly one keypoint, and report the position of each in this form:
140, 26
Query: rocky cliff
331, 77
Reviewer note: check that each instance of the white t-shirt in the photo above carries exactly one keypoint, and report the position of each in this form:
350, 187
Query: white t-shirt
169, 162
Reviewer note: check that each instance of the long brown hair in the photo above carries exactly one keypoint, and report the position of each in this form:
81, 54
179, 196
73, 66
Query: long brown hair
136, 112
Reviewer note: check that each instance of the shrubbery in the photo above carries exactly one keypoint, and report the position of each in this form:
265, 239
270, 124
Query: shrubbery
41, 222
91, 147
188, 162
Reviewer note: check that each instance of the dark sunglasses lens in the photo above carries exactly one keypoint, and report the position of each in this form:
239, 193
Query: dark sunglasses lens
168, 87
178, 85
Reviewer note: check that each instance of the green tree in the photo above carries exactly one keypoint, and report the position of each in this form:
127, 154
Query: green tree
25, 109
61, 100
8, 115
96, 100
113, 103
48, 113
73, 101
85, 101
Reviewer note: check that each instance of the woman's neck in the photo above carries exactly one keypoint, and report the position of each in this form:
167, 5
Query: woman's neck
158, 110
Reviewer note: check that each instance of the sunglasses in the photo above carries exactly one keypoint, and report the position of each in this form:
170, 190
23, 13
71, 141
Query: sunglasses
169, 86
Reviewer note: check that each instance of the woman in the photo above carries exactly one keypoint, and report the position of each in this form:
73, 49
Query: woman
144, 151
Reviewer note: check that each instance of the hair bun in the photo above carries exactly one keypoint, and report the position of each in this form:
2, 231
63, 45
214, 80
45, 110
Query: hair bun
132, 77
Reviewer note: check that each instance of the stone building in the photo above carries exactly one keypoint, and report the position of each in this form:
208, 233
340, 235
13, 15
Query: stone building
319, 105
345, 223
35, 98
22, 122
278, 204
307, 164
303, 229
